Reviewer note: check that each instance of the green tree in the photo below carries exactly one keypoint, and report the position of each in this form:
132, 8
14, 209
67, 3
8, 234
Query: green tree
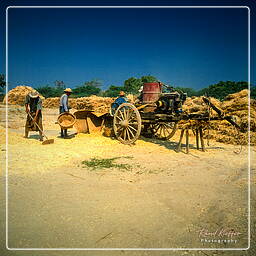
95, 83
113, 91
85, 91
148, 79
2, 83
49, 91
59, 85
253, 91
190, 91
132, 85
222, 89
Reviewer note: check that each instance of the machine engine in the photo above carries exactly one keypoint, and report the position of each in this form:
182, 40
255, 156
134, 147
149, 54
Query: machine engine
171, 102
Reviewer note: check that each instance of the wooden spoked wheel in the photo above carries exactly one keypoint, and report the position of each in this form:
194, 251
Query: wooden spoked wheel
164, 131
127, 123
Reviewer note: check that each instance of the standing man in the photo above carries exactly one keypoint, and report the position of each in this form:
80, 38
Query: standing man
64, 108
33, 104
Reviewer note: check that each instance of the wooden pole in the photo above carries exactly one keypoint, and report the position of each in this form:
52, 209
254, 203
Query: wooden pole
202, 139
197, 141
187, 141
179, 144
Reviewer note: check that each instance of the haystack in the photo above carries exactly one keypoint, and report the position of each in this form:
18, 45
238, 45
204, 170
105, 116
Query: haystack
92, 103
196, 105
235, 105
55, 102
17, 95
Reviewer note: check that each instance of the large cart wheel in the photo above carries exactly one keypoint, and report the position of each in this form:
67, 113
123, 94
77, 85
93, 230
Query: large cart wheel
127, 123
164, 131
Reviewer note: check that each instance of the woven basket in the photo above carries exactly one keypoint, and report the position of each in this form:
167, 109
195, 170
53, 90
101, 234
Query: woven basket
66, 120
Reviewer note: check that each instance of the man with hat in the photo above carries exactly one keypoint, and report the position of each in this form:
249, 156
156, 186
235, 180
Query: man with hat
64, 108
33, 104
120, 100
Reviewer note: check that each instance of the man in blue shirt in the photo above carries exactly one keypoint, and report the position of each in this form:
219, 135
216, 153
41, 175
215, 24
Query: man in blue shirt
119, 101
64, 108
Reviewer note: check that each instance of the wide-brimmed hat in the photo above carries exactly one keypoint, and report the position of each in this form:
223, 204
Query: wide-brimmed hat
34, 94
121, 93
68, 90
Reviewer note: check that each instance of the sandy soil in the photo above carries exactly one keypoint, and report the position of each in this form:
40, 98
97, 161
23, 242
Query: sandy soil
163, 200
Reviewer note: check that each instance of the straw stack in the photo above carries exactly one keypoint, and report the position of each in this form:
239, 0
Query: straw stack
94, 103
236, 104
17, 95
196, 105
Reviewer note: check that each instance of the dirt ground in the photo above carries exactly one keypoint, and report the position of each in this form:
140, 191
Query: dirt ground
162, 200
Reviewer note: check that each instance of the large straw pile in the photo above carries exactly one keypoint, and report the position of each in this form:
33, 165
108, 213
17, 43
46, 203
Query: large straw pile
17, 95
235, 105
196, 105
92, 103
55, 102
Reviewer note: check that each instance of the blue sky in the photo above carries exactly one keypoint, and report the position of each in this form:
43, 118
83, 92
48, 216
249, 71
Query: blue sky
183, 47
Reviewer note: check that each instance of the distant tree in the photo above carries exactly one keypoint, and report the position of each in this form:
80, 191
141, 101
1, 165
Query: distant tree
95, 83
49, 91
222, 89
113, 91
59, 84
85, 91
253, 91
190, 91
132, 85
148, 79
2, 83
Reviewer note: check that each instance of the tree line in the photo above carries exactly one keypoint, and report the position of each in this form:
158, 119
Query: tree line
132, 85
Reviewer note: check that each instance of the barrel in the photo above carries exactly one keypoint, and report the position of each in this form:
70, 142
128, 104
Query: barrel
151, 92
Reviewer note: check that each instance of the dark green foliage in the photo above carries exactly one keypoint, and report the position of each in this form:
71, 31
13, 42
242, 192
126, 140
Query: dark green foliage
222, 89
253, 92
113, 91
89, 88
2, 84
49, 91
95, 83
85, 91
190, 91
60, 84
132, 85
148, 79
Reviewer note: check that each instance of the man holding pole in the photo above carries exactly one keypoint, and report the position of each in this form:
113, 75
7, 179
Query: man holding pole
33, 105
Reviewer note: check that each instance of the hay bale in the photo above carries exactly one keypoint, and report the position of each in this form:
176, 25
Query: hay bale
17, 95
242, 94
55, 102
236, 104
94, 103
196, 105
